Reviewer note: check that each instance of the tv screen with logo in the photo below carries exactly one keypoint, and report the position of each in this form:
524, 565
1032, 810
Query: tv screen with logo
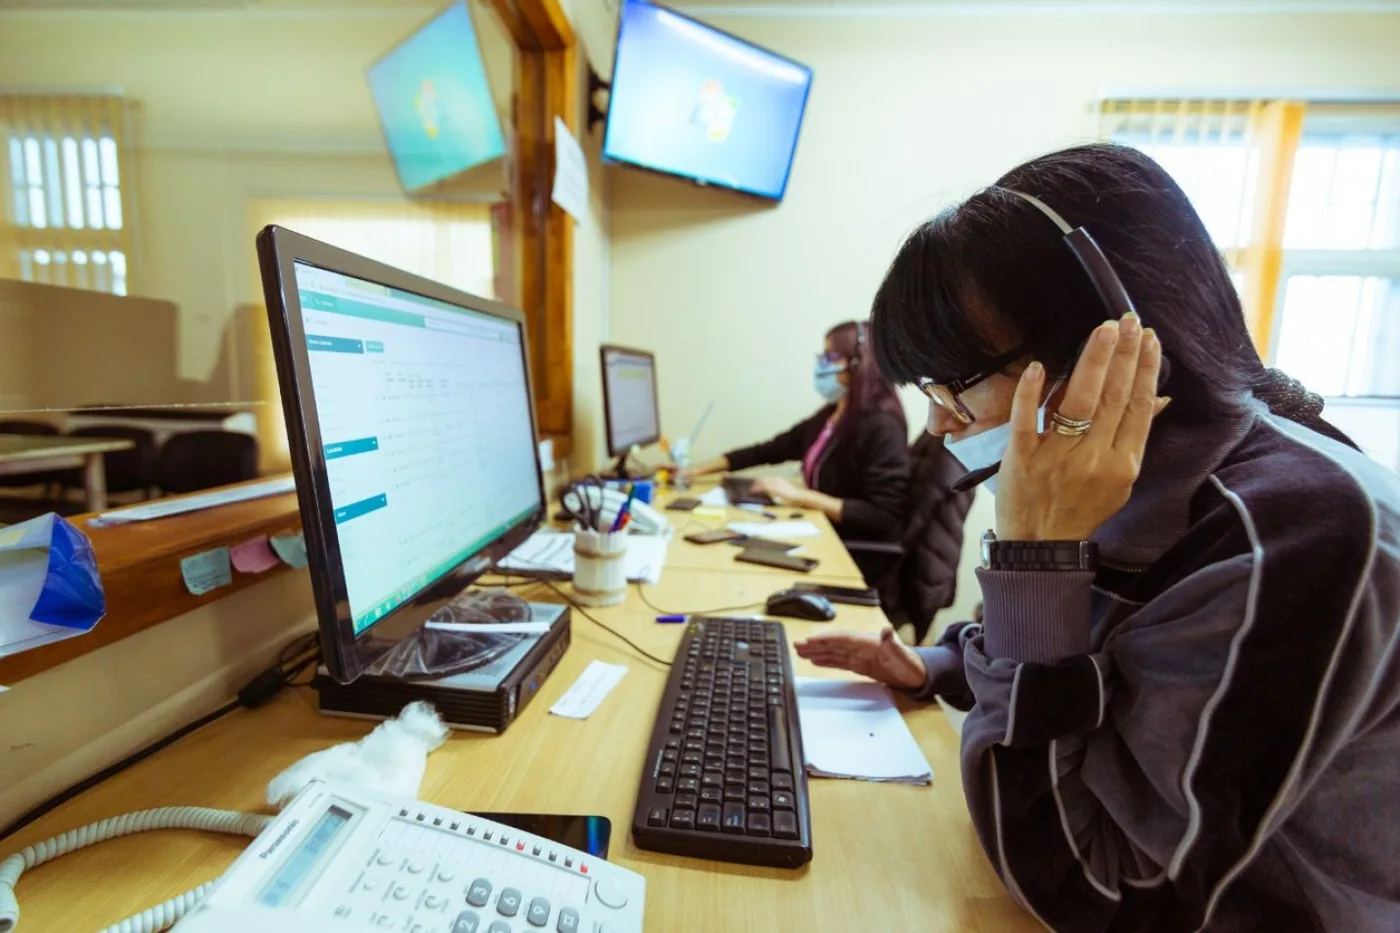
692, 101
435, 103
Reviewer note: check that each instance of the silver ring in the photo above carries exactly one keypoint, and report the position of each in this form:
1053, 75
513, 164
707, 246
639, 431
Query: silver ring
1071, 427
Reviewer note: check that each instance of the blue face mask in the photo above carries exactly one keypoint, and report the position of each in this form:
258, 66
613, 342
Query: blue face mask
988, 448
826, 380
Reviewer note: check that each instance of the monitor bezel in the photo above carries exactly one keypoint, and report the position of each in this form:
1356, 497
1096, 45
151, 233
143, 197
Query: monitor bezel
345, 654
693, 179
603, 351
438, 184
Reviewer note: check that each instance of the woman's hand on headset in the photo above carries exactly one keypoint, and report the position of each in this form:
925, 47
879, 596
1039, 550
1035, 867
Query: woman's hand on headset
1057, 488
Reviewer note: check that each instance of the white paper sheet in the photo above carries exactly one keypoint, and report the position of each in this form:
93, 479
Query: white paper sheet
595, 683
553, 552
715, 498
778, 530
852, 729
208, 500
570, 172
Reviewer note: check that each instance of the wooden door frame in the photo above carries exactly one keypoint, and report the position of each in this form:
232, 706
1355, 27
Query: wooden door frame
546, 86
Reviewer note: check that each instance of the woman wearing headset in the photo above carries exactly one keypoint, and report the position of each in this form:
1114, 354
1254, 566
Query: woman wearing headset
855, 464
1185, 691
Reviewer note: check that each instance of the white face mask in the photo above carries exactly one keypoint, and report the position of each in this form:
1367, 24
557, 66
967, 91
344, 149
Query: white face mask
988, 448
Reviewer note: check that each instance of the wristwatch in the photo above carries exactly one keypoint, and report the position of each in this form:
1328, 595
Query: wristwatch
1038, 555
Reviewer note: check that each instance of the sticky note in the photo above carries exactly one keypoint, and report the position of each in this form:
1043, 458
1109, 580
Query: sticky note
9, 537
706, 512
291, 548
253, 556
207, 571
595, 683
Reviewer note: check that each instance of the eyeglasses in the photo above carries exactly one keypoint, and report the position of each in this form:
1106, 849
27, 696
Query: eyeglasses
947, 394
831, 357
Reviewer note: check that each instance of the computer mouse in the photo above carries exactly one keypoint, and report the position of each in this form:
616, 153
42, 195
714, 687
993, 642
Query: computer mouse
798, 605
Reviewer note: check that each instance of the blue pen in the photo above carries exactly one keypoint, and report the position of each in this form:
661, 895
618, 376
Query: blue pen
626, 507
671, 619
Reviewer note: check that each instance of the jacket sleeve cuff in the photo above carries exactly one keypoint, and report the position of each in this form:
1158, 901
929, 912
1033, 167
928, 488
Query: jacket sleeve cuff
1041, 616
944, 666
742, 458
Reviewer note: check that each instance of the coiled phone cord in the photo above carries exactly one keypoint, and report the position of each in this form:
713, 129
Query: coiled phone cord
156, 919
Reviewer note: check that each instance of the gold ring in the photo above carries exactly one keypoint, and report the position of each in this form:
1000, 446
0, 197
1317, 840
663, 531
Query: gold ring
1071, 427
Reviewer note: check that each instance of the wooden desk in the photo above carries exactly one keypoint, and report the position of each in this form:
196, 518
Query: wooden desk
24, 453
888, 857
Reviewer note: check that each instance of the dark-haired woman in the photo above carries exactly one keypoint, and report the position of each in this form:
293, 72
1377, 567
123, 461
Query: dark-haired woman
855, 463
1185, 691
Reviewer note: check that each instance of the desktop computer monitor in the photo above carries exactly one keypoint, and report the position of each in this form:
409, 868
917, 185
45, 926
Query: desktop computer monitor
411, 425
629, 400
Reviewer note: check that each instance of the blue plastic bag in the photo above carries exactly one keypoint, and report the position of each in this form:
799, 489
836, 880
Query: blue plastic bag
50, 588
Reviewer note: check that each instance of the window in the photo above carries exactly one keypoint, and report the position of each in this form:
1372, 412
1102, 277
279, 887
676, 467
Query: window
66, 192
1330, 215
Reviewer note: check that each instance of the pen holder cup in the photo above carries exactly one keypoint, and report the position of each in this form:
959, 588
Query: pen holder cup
600, 572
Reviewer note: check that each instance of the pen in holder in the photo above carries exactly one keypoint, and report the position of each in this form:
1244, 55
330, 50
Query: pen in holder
600, 572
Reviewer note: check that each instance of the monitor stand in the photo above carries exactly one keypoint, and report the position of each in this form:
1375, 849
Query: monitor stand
484, 699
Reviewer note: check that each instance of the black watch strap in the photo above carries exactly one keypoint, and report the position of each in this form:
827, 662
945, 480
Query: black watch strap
1040, 555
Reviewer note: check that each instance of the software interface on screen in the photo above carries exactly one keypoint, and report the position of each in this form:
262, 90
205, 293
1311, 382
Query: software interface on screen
692, 101
435, 103
425, 421
631, 399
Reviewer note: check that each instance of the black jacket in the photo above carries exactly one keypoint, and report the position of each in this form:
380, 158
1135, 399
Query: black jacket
869, 472
927, 576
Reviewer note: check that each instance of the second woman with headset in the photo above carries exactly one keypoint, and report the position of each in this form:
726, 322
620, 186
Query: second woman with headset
855, 463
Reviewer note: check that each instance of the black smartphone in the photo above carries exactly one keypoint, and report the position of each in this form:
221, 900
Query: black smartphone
712, 537
683, 505
591, 834
764, 544
850, 595
777, 559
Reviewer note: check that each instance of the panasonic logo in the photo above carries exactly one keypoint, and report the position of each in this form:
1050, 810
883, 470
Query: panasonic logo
281, 838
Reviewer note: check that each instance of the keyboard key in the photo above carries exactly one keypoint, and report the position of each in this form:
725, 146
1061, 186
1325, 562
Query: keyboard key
778, 738
686, 800
682, 819
467, 922
758, 774
657, 816
665, 785
738, 776
686, 786
712, 779
498, 926
711, 795
479, 892
734, 792
782, 782
668, 768
759, 825
568, 921
734, 819
508, 904
759, 803
758, 787
538, 914
785, 824
783, 800
689, 771
707, 818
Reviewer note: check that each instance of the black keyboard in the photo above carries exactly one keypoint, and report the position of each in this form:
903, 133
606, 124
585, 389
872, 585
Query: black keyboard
724, 777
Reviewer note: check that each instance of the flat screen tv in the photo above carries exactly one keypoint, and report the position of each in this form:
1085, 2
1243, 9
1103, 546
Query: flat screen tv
692, 101
435, 103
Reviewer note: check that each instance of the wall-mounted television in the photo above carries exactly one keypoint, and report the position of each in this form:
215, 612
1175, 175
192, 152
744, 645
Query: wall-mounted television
435, 103
692, 101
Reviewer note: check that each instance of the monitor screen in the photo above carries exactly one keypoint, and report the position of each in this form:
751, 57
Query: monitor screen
629, 399
435, 103
426, 429
692, 101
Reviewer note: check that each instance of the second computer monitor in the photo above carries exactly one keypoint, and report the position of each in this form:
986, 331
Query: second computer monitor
629, 399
